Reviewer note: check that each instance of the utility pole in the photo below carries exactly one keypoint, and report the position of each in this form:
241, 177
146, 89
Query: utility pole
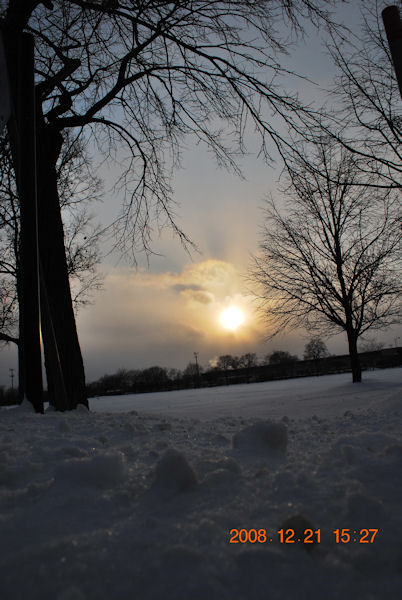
12, 378
197, 368
196, 363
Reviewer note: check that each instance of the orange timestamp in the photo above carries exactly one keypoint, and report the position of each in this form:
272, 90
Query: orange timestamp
307, 536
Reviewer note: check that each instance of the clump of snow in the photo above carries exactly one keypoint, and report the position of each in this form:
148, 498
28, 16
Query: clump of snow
265, 436
143, 504
64, 427
174, 473
363, 508
72, 593
104, 470
26, 406
299, 524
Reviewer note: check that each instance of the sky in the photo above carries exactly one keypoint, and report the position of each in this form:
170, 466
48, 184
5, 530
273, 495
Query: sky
163, 311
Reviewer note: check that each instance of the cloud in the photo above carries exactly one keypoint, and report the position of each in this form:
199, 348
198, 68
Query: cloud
211, 273
198, 296
144, 318
194, 292
216, 277
191, 333
181, 287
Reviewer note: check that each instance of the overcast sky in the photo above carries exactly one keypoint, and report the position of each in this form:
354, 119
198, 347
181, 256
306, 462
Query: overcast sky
163, 312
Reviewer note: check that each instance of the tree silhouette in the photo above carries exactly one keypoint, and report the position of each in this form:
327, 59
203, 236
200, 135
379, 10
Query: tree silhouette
281, 357
134, 79
77, 189
315, 349
331, 260
365, 101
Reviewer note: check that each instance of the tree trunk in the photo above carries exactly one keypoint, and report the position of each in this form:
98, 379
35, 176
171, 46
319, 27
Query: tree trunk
19, 50
63, 359
354, 357
21, 375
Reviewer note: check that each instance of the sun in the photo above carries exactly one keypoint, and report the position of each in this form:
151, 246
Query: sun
231, 318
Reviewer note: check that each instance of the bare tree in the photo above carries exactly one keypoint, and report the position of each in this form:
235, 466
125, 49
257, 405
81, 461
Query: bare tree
78, 188
9, 312
365, 106
331, 261
227, 362
248, 360
137, 77
281, 357
315, 349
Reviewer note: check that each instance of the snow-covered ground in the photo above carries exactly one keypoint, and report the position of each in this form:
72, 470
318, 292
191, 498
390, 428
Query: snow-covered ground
137, 499
301, 397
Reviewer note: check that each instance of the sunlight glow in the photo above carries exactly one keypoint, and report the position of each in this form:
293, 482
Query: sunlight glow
231, 318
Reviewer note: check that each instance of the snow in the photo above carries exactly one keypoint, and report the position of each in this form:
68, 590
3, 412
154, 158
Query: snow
330, 395
137, 497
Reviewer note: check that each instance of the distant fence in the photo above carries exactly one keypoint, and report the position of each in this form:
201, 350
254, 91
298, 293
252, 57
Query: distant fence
391, 357
380, 359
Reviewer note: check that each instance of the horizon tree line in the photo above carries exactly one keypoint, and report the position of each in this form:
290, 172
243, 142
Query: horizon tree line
157, 378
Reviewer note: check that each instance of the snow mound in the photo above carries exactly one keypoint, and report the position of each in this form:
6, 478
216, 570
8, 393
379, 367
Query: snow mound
72, 593
64, 427
264, 436
220, 477
81, 409
224, 462
105, 470
174, 473
363, 508
299, 523
26, 406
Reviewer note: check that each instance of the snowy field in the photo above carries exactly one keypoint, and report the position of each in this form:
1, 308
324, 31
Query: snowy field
302, 397
138, 498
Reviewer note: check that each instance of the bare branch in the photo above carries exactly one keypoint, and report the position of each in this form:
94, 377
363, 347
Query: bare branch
333, 261
148, 74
